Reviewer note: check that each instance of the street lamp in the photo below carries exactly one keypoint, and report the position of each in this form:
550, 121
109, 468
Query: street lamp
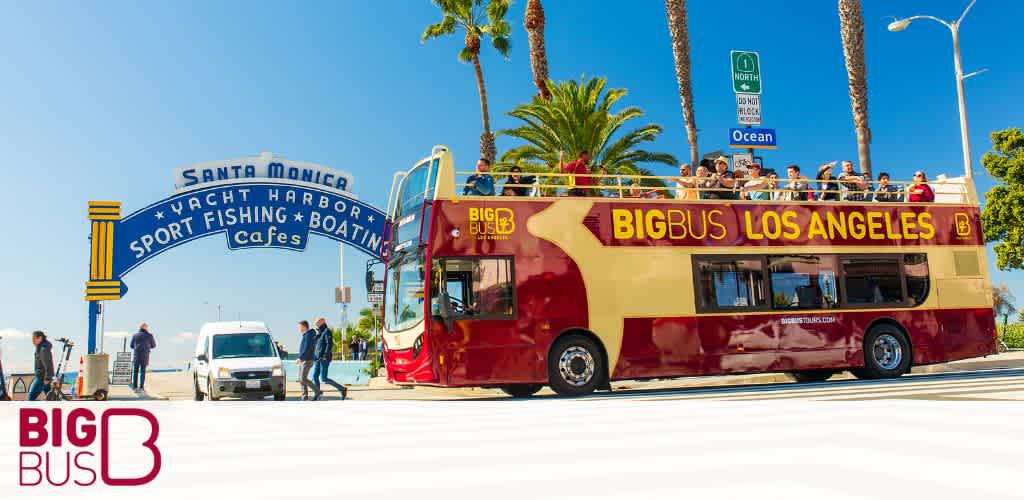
954, 27
218, 308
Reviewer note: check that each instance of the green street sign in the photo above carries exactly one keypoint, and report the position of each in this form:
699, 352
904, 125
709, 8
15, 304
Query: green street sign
746, 72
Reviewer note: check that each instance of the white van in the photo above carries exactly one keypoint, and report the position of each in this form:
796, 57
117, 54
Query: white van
237, 358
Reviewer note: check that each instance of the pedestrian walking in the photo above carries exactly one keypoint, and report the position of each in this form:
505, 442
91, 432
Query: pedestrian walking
306, 360
324, 353
43, 368
142, 343
362, 349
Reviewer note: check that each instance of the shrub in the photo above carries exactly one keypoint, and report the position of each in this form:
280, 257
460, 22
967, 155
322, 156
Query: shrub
1013, 336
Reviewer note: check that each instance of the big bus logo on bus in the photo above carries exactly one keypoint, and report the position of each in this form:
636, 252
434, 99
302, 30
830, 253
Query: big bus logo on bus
962, 223
491, 223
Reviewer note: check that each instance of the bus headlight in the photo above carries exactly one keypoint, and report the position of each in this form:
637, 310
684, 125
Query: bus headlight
277, 372
223, 372
417, 346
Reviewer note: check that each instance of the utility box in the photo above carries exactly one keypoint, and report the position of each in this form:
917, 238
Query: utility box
94, 376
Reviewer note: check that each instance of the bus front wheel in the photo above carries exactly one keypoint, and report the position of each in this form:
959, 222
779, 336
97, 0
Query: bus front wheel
576, 365
521, 390
886, 353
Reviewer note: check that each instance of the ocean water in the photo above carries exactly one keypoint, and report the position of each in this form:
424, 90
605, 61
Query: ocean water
342, 372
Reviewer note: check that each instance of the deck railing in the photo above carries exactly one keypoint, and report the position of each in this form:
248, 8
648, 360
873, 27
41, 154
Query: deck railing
551, 185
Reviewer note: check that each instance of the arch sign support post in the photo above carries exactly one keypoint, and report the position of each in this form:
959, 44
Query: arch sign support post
255, 202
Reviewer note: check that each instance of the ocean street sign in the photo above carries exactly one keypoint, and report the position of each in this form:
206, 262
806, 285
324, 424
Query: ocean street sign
752, 138
748, 109
746, 72
264, 166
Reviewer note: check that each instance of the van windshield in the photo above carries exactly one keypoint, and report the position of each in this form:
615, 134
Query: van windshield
242, 345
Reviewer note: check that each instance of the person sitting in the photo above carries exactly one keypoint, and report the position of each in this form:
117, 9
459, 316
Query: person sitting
480, 183
636, 191
886, 192
796, 189
702, 180
920, 191
774, 193
828, 188
516, 183
723, 182
756, 188
853, 185
685, 184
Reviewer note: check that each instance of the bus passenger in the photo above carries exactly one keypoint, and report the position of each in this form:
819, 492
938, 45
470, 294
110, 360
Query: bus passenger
685, 184
920, 191
774, 193
828, 188
756, 188
635, 191
853, 185
580, 181
517, 184
703, 181
481, 183
723, 181
887, 192
796, 189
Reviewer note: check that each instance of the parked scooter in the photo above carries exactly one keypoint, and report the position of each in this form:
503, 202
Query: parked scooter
56, 393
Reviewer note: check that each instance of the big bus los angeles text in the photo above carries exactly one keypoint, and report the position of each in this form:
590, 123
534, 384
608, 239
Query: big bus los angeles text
576, 292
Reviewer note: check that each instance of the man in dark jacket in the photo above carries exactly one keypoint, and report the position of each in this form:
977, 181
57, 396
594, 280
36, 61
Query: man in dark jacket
306, 360
43, 366
142, 343
324, 353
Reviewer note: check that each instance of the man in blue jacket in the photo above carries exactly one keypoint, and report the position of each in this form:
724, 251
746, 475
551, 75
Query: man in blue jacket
306, 359
142, 343
324, 353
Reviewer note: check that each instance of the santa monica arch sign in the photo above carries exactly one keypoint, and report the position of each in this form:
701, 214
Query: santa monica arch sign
255, 202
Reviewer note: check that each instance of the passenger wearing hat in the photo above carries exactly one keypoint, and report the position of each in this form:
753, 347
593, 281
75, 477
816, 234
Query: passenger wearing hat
723, 182
757, 187
828, 187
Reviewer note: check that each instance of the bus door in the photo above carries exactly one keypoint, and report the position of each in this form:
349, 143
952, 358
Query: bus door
811, 333
481, 340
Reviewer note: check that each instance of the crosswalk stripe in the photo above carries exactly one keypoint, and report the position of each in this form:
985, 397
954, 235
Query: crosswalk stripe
845, 389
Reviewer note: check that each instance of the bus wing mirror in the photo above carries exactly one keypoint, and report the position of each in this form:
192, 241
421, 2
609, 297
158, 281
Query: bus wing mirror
201, 357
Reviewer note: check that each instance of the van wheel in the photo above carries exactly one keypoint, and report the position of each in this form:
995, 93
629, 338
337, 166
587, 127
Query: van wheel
521, 390
209, 391
811, 375
886, 353
195, 385
575, 366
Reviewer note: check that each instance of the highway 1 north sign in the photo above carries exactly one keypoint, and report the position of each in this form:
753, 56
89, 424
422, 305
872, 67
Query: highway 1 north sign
746, 72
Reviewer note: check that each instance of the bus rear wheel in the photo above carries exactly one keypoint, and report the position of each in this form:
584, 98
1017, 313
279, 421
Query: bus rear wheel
576, 365
886, 353
811, 375
521, 390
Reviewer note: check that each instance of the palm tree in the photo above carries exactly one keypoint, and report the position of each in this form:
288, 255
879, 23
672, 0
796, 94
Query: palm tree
1002, 303
369, 321
676, 11
851, 28
533, 21
477, 21
579, 117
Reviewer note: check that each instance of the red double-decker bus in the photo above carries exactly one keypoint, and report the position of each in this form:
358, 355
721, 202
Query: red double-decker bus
576, 292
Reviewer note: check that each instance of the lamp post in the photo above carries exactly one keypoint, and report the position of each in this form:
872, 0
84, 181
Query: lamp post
218, 308
954, 28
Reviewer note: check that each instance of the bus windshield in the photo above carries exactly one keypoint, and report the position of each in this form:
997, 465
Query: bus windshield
414, 192
404, 302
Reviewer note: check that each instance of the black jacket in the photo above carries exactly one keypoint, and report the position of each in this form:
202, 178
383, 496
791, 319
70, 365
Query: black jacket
44, 360
324, 350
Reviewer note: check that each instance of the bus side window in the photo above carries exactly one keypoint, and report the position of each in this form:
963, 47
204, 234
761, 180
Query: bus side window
915, 272
481, 288
730, 284
872, 280
802, 282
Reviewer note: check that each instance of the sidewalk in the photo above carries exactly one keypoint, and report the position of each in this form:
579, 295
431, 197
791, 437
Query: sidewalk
178, 386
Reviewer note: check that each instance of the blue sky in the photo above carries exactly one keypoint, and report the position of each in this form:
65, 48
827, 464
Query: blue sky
103, 101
